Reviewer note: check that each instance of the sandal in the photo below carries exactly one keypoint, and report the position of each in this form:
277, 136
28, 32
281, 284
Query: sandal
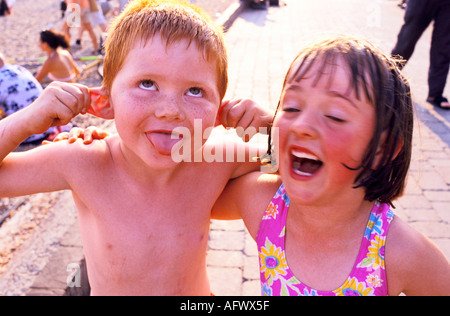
437, 101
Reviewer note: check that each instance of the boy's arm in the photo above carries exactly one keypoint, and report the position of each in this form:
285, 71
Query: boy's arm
28, 172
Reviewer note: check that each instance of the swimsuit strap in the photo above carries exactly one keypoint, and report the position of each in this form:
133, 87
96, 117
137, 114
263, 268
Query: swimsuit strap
368, 276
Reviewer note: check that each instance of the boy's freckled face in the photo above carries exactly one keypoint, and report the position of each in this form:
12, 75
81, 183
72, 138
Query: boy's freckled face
160, 88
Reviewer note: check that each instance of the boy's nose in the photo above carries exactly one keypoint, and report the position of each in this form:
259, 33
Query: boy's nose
170, 109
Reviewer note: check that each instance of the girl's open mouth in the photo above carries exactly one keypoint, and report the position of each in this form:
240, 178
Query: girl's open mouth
305, 164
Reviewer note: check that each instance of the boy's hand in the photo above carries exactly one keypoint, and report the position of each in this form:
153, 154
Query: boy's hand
59, 103
88, 135
246, 116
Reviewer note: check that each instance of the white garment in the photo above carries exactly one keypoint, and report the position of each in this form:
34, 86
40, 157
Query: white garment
18, 89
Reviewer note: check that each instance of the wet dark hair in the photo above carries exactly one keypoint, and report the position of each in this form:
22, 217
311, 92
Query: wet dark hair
54, 40
376, 77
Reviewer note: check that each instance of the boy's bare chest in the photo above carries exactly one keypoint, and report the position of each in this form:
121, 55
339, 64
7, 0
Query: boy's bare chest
137, 230
138, 208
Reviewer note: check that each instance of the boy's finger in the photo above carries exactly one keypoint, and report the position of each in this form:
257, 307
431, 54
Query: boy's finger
245, 121
234, 116
76, 97
81, 92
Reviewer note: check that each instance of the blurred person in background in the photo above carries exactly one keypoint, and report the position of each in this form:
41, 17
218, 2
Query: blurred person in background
418, 16
59, 65
4, 8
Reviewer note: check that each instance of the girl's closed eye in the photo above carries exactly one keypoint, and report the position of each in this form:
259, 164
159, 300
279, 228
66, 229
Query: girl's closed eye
147, 85
195, 92
290, 108
336, 118
337, 113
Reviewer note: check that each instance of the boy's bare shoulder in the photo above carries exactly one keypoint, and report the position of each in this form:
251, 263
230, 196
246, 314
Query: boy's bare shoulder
414, 263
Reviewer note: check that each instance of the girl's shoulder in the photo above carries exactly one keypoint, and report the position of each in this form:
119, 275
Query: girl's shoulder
414, 264
262, 188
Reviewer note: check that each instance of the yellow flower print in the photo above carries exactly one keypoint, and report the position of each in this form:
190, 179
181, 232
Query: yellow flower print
273, 261
376, 252
353, 288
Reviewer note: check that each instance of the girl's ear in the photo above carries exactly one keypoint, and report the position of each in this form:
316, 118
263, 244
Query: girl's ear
100, 105
382, 148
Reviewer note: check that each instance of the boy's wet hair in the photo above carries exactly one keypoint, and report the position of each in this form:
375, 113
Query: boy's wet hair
173, 20
375, 77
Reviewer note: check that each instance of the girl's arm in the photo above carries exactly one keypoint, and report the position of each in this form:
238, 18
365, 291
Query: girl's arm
77, 70
44, 71
414, 264
247, 197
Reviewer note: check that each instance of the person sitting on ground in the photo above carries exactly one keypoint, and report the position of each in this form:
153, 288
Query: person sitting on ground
59, 65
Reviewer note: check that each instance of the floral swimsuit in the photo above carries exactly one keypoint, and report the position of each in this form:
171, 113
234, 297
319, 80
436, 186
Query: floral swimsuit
368, 276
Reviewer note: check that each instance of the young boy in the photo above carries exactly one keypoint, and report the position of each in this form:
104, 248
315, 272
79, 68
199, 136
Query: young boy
144, 217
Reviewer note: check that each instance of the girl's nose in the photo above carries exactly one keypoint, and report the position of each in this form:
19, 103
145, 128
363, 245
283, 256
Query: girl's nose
306, 125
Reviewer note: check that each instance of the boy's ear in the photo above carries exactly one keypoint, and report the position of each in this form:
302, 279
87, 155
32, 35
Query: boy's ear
100, 105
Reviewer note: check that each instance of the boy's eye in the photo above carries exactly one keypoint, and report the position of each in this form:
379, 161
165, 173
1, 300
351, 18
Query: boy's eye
195, 92
147, 85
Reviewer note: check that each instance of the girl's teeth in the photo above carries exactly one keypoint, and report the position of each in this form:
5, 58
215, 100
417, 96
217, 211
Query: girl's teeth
300, 154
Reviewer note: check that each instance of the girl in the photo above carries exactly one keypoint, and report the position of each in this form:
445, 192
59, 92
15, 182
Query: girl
324, 226
59, 65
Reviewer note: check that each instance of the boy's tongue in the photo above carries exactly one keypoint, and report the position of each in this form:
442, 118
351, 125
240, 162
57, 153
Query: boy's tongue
162, 142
